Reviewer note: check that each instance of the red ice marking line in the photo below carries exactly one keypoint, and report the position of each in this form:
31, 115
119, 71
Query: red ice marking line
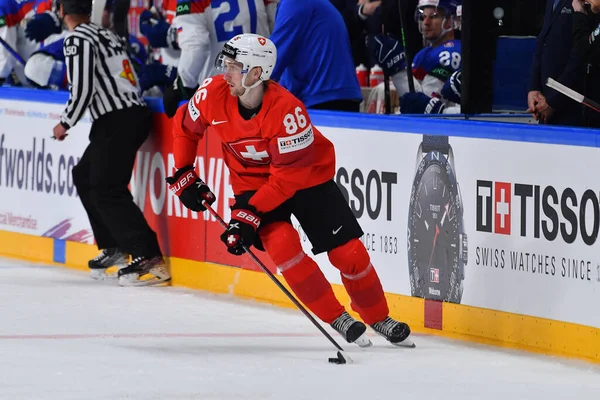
155, 335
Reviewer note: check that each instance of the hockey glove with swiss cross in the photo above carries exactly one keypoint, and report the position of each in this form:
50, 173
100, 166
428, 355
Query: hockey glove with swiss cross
190, 189
241, 230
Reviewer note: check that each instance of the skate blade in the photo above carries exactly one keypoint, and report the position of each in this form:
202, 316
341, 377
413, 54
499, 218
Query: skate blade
408, 343
156, 276
103, 274
134, 280
363, 341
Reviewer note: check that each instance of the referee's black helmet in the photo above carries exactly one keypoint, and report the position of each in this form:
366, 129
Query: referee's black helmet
77, 7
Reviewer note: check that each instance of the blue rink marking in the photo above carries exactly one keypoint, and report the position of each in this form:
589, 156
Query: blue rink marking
60, 253
391, 123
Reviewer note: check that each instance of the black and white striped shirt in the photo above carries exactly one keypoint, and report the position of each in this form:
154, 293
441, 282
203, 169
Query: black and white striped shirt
100, 73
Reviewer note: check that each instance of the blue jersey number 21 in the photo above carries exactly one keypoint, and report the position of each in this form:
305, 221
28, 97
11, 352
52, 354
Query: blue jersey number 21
234, 10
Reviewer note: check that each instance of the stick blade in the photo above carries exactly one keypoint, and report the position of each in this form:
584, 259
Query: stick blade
342, 358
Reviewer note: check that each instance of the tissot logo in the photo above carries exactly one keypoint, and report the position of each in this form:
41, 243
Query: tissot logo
549, 212
493, 207
434, 275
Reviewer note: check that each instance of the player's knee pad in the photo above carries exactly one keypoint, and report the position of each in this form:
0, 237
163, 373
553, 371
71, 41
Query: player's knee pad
351, 259
282, 242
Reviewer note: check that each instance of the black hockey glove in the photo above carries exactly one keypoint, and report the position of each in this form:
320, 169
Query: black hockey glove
175, 94
420, 103
190, 189
241, 230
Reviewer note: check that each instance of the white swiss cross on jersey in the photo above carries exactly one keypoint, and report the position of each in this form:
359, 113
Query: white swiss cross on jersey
251, 151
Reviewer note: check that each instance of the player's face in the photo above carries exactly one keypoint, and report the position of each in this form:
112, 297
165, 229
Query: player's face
432, 20
233, 76
595, 4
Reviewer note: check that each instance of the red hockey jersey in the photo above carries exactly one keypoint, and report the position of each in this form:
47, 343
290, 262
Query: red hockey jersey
276, 153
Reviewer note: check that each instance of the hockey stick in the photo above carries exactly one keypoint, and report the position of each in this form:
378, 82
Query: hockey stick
386, 88
12, 51
342, 357
97, 11
559, 87
407, 55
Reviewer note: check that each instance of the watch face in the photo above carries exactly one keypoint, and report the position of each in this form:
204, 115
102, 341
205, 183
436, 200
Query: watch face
434, 226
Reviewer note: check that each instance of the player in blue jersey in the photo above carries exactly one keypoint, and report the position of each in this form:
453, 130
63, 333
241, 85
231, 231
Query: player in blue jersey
447, 102
46, 67
435, 63
314, 59
12, 13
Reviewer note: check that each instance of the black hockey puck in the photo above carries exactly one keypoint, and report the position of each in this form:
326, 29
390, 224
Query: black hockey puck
342, 358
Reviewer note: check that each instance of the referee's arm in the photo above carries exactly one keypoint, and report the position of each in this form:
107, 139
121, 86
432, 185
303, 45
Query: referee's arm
79, 58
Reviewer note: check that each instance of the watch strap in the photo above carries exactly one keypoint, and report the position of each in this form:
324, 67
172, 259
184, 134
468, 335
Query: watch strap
436, 142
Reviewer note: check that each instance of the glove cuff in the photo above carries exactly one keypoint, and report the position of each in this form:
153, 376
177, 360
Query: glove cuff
182, 171
247, 215
183, 178
435, 106
247, 207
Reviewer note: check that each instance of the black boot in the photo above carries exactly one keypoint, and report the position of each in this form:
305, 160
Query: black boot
395, 332
140, 266
352, 331
107, 258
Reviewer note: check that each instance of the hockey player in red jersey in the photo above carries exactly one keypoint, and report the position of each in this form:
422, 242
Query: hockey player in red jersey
280, 165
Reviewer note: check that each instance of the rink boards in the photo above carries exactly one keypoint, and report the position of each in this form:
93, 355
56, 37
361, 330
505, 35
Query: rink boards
530, 201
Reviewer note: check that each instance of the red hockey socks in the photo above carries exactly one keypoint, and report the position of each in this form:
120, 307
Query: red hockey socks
360, 280
282, 243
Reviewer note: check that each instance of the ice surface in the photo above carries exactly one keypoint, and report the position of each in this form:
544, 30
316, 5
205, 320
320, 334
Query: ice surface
65, 336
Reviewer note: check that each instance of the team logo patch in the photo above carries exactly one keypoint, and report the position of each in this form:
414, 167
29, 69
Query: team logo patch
449, 44
434, 275
183, 8
296, 142
262, 41
193, 110
251, 151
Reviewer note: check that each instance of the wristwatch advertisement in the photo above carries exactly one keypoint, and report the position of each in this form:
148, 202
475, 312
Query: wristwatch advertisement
436, 242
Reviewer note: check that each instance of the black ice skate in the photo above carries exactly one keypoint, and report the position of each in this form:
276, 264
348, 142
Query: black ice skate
144, 271
397, 333
352, 331
107, 258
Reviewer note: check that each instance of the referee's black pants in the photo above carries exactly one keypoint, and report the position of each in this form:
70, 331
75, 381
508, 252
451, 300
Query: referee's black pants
101, 178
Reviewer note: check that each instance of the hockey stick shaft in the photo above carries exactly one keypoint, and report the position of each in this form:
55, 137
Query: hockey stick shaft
578, 97
12, 51
407, 55
276, 281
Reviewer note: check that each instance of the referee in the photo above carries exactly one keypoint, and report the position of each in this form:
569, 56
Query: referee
103, 81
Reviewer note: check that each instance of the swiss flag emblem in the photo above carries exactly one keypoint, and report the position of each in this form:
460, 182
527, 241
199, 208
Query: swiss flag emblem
262, 41
502, 200
251, 151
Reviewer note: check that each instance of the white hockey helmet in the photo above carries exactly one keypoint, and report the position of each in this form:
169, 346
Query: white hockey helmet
250, 50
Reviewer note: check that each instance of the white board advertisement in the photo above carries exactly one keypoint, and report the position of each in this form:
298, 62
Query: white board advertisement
504, 225
527, 239
37, 195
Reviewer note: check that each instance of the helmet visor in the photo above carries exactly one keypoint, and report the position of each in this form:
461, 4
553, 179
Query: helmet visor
227, 64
